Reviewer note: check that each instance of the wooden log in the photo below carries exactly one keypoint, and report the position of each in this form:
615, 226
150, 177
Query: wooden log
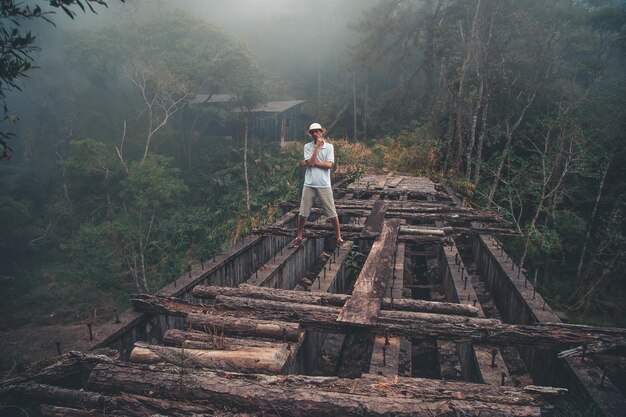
247, 359
355, 231
438, 326
70, 365
166, 305
123, 405
243, 326
301, 297
55, 411
369, 288
319, 396
193, 339
410, 194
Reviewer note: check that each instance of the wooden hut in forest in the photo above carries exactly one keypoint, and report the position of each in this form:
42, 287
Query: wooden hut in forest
272, 121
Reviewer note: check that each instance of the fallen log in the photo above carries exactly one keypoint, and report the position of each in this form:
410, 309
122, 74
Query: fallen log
247, 359
319, 396
302, 297
438, 326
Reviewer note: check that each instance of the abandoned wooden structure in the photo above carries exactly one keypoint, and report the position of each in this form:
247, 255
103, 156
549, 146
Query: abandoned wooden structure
420, 313
276, 121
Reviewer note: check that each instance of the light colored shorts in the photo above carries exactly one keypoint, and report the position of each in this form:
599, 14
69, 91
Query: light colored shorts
325, 196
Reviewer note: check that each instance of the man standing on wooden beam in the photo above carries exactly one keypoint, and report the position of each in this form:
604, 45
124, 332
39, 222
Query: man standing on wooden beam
319, 157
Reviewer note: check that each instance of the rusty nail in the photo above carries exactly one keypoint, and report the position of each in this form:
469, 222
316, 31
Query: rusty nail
512, 264
468, 297
202, 263
174, 282
391, 306
525, 281
58, 348
256, 274
213, 257
519, 270
189, 270
544, 305
90, 330
462, 272
456, 258
475, 301
117, 317
458, 268
465, 284
494, 352
319, 283
503, 376
324, 272
534, 290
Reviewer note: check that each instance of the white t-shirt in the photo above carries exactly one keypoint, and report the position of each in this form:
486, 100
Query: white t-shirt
318, 177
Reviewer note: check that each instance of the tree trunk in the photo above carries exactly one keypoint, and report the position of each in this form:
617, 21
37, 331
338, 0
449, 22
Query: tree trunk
457, 144
470, 147
245, 161
481, 139
354, 104
591, 220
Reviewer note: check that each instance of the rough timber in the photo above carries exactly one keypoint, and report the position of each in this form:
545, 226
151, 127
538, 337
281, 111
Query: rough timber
246, 331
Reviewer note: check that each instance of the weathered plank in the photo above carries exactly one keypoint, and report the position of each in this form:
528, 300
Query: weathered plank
393, 182
369, 287
374, 223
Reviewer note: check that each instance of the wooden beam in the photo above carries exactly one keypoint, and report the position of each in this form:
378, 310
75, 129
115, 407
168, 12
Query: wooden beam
374, 223
369, 287
245, 359
297, 395
454, 328
320, 298
232, 314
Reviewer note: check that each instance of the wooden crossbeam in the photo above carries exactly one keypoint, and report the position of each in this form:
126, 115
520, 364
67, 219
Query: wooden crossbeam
374, 223
369, 287
338, 300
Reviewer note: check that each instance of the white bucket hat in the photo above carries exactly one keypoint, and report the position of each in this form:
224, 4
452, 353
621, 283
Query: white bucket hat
315, 126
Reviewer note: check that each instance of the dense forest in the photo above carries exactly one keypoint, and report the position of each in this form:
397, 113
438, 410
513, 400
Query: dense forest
115, 183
